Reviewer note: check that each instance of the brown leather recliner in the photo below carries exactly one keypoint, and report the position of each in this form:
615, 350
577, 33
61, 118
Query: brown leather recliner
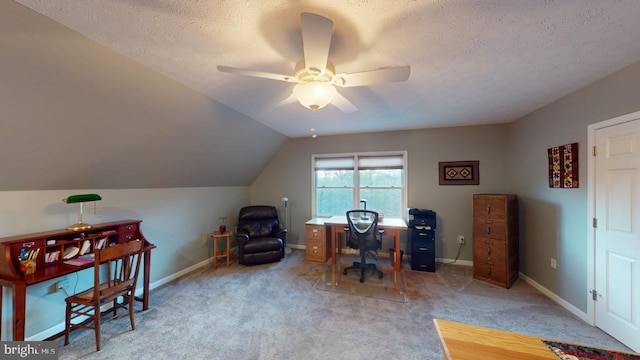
260, 237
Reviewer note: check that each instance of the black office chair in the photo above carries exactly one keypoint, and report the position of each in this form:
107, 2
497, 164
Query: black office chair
363, 234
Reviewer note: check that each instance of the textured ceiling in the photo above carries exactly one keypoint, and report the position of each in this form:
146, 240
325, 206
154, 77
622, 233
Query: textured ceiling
472, 62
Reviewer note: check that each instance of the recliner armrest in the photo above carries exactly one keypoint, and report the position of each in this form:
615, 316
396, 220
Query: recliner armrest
281, 232
242, 237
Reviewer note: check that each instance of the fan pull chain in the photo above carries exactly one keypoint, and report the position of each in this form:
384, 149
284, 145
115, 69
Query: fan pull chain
313, 124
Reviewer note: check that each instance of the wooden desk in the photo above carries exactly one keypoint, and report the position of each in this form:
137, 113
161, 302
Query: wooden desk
57, 240
391, 226
463, 341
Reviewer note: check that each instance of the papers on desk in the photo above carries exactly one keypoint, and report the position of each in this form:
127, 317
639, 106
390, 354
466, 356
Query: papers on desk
80, 260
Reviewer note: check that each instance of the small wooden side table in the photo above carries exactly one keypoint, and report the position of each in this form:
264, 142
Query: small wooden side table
217, 253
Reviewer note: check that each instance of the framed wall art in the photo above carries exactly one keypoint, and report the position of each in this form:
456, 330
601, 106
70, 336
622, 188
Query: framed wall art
459, 172
563, 166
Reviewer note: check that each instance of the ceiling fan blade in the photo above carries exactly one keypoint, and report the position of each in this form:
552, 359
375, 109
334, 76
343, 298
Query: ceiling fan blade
343, 104
261, 74
316, 40
370, 77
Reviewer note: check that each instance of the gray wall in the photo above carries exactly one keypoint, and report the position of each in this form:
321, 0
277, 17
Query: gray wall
76, 117
554, 222
289, 174
74, 114
176, 220
513, 159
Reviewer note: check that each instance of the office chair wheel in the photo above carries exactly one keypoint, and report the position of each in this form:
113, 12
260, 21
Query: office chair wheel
380, 276
361, 279
344, 272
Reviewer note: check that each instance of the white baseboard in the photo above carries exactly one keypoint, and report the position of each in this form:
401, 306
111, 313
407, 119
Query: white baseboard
569, 307
60, 327
572, 309
385, 254
455, 262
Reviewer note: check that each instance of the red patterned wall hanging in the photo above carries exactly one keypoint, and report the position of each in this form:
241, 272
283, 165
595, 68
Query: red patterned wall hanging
459, 172
563, 166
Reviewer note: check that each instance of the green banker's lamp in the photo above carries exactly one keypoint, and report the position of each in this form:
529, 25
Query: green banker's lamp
80, 199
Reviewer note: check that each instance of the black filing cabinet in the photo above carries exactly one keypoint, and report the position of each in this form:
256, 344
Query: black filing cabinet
422, 224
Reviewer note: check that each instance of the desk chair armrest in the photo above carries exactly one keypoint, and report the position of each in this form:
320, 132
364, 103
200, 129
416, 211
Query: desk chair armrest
380, 232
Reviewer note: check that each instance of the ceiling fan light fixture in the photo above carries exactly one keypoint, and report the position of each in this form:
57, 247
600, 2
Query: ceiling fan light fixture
314, 95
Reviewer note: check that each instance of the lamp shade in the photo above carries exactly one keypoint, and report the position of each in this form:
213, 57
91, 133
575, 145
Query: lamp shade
81, 198
314, 95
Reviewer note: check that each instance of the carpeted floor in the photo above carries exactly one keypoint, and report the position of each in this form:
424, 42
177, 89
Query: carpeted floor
273, 311
390, 287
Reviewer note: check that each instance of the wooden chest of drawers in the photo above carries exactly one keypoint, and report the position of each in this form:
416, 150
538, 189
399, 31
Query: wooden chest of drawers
495, 239
318, 243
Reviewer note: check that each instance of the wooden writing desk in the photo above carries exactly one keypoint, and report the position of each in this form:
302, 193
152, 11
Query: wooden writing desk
391, 226
463, 341
46, 269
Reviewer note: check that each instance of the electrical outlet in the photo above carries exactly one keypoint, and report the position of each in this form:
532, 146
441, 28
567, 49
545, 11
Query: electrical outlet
204, 239
553, 263
460, 239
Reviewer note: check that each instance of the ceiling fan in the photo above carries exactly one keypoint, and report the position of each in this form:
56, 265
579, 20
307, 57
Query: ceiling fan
316, 77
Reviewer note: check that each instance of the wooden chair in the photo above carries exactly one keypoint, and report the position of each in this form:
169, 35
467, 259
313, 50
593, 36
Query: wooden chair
115, 274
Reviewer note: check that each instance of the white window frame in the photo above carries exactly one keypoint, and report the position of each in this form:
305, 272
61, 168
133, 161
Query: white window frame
356, 176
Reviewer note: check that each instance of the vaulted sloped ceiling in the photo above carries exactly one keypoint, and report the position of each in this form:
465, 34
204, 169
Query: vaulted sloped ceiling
75, 114
472, 61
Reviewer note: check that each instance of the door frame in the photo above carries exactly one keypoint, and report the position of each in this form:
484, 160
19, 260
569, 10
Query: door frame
591, 205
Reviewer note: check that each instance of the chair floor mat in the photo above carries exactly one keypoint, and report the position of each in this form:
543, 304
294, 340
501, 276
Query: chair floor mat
391, 287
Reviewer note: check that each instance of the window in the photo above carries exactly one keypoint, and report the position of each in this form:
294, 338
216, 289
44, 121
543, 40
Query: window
341, 181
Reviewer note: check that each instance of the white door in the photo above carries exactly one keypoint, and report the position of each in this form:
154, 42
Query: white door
617, 235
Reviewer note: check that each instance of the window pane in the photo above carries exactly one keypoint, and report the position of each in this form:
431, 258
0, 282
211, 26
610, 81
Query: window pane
332, 201
381, 178
386, 201
334, 178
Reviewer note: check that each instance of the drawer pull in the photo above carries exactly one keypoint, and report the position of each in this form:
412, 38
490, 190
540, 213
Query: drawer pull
422, 234
489, 272
488, 230
129, 236
488, 209
488, 242
489, 262
315, 249
489, 251
422, 249
28, 244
